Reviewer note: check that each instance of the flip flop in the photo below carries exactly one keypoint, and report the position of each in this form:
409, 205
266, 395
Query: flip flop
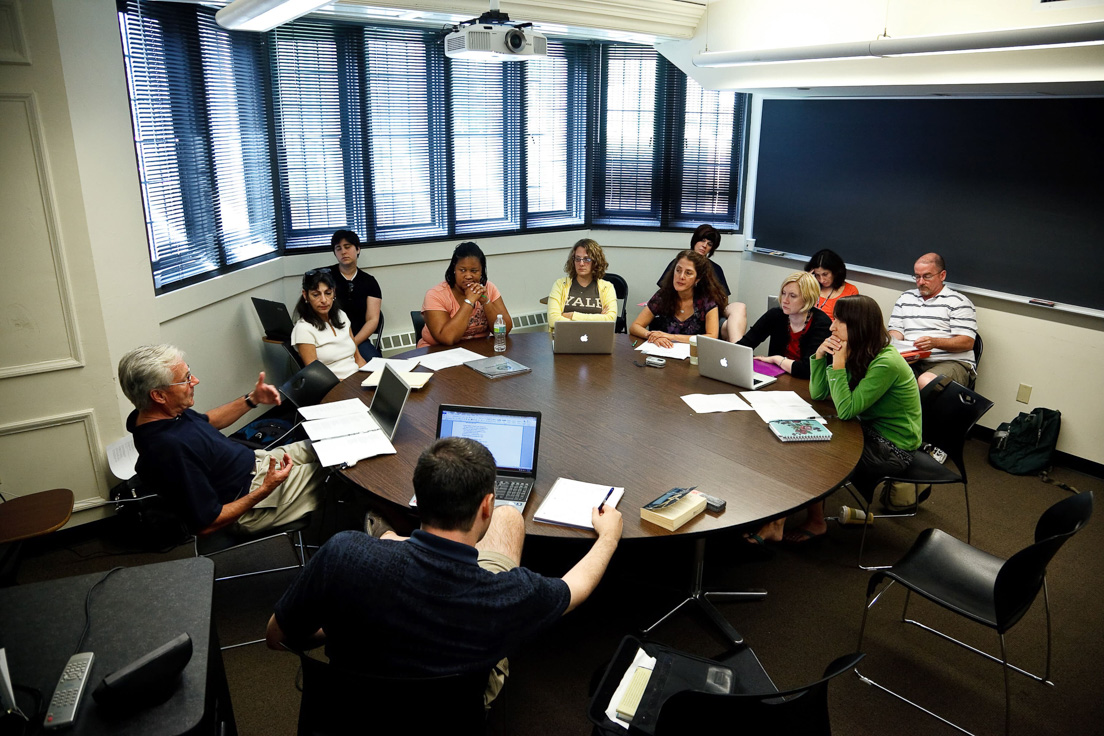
800, 536
755, 540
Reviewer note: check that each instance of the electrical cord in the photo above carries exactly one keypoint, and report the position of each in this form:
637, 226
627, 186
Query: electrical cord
88, 606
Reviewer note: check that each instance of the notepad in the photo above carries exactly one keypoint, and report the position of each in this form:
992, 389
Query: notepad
799, 430
569, 503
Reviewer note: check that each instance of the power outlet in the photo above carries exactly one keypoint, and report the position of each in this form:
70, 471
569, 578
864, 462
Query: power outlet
1024, 394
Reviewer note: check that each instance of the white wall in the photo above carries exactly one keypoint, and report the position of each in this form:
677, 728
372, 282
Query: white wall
76, 77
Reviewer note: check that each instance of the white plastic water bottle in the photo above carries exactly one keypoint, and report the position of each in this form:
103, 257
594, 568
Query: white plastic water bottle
500, 334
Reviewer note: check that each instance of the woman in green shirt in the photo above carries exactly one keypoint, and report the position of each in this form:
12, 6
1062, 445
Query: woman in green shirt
867, 379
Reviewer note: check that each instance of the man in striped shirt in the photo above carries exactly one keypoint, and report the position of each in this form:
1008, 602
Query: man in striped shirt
935, 317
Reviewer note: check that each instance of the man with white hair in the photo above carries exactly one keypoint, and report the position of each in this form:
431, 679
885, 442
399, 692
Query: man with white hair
209, 480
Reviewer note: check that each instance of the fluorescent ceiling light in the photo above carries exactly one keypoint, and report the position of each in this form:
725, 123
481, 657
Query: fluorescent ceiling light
264, 15
1072, 34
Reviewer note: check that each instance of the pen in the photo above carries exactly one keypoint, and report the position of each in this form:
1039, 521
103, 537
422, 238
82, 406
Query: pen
635, 343
603, 504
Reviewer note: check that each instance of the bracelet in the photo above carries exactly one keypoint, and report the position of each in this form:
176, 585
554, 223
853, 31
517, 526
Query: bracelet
468, 302
250, 402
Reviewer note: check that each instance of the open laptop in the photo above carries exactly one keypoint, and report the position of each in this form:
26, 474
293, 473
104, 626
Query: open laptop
595, 338
512, 436
725, 361
274, 318
389, 400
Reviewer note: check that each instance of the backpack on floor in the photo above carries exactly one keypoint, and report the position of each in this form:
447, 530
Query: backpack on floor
1025, 445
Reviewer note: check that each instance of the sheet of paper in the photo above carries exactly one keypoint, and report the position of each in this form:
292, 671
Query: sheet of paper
121, 457
710, 403
333, 409
640, 660
448, 358
569, 502
771, 405
414, 380
677, 351
404, 365
341, 426
352, 448
902, 346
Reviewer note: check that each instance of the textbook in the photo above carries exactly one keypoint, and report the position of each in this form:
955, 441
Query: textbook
672, 515
799, 430
497, 366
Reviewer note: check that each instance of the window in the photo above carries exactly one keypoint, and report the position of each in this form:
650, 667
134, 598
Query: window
201, 137
252, 145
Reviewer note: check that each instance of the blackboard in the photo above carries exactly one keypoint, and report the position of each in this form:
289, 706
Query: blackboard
1009, 191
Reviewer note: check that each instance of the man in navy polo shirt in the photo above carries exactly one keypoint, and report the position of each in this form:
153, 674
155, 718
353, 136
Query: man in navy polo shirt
452, 597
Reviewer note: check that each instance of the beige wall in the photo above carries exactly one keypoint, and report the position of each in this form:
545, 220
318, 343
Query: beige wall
74, 234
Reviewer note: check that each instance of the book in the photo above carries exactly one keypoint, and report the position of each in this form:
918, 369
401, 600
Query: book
673, 515
568, 503
799, 430
497, 366
630, 701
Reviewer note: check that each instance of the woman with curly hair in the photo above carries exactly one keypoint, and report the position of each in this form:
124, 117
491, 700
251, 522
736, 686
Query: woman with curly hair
689, 302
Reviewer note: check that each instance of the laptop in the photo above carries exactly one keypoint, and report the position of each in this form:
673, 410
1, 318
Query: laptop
593, 338
389, 400
725, 361
512, 436
274, 318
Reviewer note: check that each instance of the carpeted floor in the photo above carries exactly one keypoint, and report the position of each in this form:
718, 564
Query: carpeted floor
810, 616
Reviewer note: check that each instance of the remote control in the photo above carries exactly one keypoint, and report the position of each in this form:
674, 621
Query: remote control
63, 706
714, 504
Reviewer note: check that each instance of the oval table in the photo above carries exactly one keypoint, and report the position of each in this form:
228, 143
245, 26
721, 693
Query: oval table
607, 421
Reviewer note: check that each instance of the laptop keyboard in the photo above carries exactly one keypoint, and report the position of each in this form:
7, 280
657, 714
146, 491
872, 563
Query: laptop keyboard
511, 490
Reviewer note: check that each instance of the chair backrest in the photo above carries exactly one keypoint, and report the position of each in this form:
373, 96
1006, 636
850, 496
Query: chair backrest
310, 385
1022, 575
949, 415
802, 710
379, 332
419, 322
979, 346
621, 289
339, 701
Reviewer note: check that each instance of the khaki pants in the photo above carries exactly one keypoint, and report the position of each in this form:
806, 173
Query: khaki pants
295, 497
496, 562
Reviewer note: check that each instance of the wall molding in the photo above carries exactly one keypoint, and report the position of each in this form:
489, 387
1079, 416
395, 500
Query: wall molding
92, 437
53, 232
14, 48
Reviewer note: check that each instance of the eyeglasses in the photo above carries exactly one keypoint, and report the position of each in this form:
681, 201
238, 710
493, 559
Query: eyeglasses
187, 380
584, 259
924, 276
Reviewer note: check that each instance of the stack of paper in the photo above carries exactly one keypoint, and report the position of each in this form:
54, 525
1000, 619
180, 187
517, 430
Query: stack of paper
400, 365
343, 432
677, 351
569, 503
771, 405
448, 358
413, 380
709, 403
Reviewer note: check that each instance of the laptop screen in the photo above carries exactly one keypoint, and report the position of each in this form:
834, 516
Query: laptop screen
387, 404
511, 436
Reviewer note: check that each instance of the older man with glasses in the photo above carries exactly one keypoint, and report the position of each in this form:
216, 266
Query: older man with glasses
935, 317
209, 480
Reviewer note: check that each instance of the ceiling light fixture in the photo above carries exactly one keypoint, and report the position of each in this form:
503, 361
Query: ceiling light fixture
1071, 34
264, 15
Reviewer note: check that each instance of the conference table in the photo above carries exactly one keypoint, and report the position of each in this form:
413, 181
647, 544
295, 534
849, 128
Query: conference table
608, 420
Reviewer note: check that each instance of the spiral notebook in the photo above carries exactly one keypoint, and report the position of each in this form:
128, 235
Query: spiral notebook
799, 430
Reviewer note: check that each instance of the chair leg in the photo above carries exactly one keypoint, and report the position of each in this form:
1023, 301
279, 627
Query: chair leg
1007, 689
870, 601
1046, 606
977, 651
966, 493
904, 611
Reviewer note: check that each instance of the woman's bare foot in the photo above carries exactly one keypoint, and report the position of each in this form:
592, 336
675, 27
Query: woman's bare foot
771, 532
806, 532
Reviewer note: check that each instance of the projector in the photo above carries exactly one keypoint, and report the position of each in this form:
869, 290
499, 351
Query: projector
492, 38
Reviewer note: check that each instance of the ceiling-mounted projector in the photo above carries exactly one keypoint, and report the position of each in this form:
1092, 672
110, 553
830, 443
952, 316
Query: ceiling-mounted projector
492, 37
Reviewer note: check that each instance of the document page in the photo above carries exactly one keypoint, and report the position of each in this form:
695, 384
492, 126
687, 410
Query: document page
333, 409
710, 403
403, 365
678, 351
448, 358
413, 380
771, 405
339, 426
570, 501
352, 448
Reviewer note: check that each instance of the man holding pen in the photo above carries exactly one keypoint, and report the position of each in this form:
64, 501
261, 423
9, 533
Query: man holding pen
451, 598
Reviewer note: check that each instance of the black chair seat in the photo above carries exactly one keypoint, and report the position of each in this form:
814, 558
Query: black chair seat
926, 469
951, 573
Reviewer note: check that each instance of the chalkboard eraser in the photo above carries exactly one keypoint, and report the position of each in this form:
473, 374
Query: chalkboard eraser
1041, 302
775, 253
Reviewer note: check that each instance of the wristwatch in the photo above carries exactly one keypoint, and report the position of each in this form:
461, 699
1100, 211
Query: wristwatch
250, 402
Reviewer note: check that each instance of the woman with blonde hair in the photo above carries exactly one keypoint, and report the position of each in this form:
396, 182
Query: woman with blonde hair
795, 327
583, 295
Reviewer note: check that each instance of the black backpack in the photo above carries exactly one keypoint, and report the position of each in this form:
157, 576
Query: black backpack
1025, 445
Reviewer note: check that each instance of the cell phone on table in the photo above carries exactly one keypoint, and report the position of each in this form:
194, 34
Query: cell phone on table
655, 362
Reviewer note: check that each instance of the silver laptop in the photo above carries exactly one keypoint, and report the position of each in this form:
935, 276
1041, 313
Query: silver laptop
512, 436
725, 361
389, 400
594, 338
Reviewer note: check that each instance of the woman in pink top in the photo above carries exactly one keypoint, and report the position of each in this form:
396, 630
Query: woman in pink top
465, 305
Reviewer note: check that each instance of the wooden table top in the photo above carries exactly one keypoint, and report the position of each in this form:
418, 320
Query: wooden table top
35, 514
607, 421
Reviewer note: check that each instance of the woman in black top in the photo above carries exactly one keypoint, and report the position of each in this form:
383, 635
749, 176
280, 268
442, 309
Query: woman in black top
796, 328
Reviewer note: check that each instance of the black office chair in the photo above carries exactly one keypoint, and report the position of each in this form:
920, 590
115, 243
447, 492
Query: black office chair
340, 701
621, 288
979, 346
378, 336
983, 588
697, 695
950, 411
419, 322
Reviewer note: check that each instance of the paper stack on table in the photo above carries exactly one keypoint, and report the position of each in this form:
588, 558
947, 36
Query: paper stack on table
414, 380
709, 403
569, 503
677, 351
344, 432
401, 365
771, 405
448, 358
